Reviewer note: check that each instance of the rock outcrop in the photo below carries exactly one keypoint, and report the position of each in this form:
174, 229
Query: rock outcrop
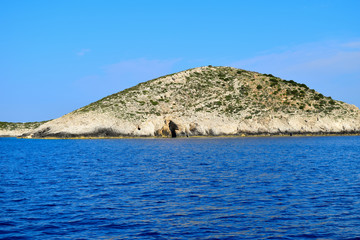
208, 101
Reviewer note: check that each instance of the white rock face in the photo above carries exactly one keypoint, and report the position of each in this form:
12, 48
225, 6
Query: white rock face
13, 133
204, 125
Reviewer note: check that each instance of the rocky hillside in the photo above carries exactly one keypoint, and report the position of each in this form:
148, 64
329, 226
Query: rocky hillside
11, 129
208, 101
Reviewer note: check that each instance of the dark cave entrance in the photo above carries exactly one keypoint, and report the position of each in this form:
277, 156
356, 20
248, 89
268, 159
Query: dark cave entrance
173, 127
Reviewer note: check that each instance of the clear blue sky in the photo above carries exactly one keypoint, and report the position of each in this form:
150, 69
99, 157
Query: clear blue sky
57, 56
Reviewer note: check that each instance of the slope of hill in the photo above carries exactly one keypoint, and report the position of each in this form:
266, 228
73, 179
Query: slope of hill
11, 129
208, 101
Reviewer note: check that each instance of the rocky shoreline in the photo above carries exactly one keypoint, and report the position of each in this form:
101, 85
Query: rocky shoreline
60, 137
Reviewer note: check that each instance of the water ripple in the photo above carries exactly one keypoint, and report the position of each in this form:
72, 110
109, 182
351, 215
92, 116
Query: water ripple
228, 188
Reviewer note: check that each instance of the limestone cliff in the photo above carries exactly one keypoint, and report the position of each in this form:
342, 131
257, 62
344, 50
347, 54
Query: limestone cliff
208, 101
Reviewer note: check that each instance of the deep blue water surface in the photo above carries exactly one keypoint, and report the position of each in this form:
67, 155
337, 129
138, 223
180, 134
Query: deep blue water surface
211, 188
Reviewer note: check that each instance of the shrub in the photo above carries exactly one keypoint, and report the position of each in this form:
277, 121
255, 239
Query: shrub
230, 109
274, 80
292, 82
154, 102
304, 86
221, 75
258, 87
273, 84
294, 92
269, 75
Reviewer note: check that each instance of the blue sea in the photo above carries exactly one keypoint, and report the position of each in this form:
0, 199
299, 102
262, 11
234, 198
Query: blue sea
188, 188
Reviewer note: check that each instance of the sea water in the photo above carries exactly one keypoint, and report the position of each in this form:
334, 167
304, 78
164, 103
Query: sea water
189, 188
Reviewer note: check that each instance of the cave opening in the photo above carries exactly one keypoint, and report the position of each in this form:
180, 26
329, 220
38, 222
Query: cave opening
173, 127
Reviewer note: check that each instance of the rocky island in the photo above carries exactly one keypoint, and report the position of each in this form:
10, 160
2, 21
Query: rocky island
204, 101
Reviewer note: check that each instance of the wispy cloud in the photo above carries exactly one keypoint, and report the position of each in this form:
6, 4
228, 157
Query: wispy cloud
82, 52
331, 67
352, 44
118, 76
138, 70
317, 58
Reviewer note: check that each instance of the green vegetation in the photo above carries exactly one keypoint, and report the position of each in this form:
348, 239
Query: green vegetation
273, 82
19, 125
228, 97
154, 102
220, 90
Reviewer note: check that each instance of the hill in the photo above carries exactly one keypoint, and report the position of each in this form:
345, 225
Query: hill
11, 129
208, 101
